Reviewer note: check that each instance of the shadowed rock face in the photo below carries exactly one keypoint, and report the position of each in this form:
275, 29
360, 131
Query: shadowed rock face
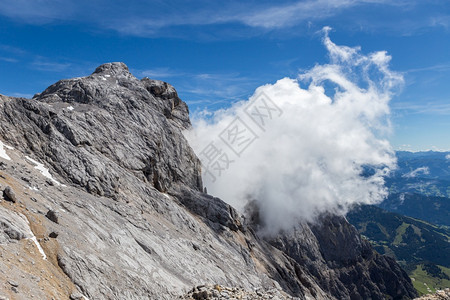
333, 247
132, 222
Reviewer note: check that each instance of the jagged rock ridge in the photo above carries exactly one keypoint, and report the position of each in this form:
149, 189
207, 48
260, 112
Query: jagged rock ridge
133, 222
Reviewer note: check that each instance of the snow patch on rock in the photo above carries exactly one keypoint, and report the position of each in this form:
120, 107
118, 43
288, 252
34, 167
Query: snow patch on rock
44, 171
3, 152
34, 239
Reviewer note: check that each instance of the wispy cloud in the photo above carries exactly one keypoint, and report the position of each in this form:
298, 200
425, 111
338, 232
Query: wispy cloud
167, 18
21, 95
443, 67
292, 14
11, 54
160, 73
34, 61
442, 20
208, 88
8, 59
435, 108
37, 11
44, 64
227, 87
261, 16
250, 14
12, 50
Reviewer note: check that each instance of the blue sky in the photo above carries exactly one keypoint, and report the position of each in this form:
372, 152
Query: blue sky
216, 53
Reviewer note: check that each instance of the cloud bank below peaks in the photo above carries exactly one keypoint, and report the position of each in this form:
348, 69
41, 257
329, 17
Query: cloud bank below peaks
305, 146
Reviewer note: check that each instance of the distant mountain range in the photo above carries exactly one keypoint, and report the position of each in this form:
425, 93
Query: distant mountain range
420, 187
425, 173
432, 209
412, 224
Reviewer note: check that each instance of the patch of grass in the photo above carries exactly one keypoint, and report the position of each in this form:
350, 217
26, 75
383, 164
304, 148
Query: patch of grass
383, 230
424, 283
400, 232
388, 251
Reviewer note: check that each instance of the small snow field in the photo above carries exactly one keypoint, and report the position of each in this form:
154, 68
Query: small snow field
44, 171
3, 152
34, 239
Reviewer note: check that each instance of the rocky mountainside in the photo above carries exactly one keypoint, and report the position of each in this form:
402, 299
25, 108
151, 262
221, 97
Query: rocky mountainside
124, 215
439, 295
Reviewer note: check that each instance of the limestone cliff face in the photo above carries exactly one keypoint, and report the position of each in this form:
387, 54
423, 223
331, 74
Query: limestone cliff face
124, 216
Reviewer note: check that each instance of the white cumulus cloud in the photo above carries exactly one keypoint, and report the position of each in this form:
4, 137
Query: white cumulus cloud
304, 146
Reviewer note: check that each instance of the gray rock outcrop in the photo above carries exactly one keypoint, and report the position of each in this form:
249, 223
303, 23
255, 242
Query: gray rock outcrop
13, 226
9, 194
133, 221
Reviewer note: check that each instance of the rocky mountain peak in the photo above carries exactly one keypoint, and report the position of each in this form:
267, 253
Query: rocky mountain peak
113, 115
114, 68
